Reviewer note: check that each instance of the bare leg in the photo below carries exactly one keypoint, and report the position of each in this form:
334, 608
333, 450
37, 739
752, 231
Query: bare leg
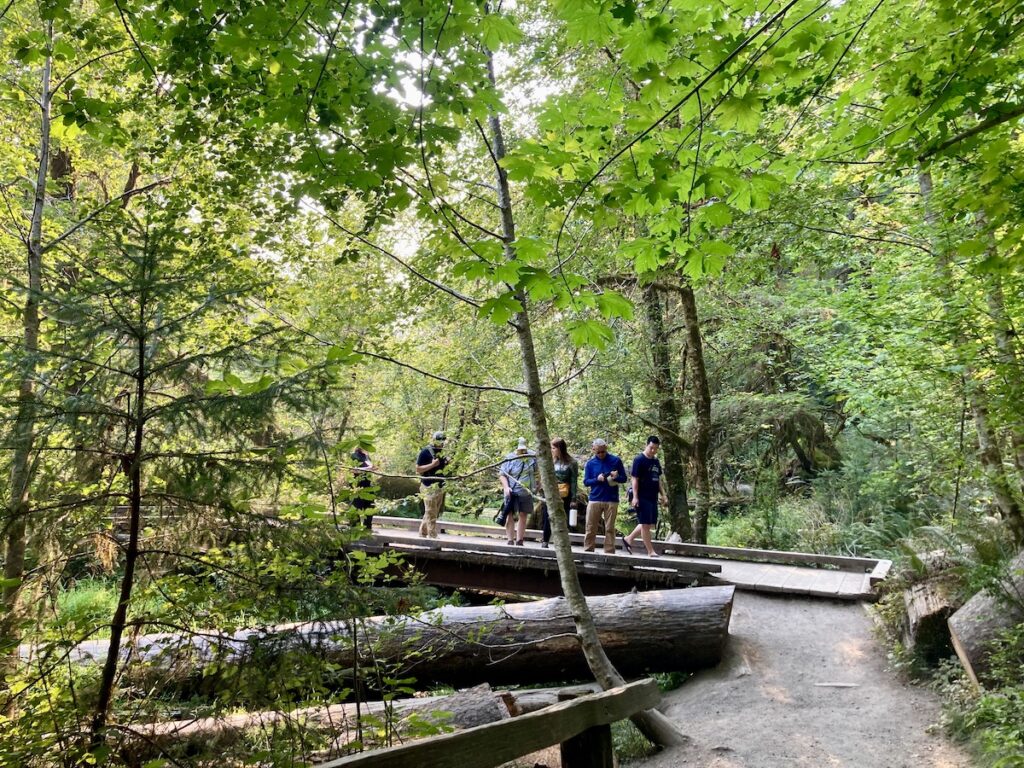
634, 533
510, 524
645, 534
522, 527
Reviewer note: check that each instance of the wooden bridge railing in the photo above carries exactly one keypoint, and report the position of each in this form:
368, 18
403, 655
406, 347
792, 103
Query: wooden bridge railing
582, 726
876, 568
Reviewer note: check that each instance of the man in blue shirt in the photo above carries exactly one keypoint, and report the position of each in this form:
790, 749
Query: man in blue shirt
603, 475
648, 488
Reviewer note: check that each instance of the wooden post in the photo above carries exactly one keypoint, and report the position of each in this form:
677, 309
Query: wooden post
590, 749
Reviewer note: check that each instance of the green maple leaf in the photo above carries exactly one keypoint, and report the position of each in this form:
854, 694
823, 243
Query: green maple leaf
742, 113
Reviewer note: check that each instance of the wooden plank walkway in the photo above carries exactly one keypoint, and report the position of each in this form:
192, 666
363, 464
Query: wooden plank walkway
792, 573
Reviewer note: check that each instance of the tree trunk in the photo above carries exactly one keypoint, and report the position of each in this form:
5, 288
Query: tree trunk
652, 723
535, 642
983, 617
989, 453
463, 709
1009, 358
15, 527
675, 451
702, 413
133, 467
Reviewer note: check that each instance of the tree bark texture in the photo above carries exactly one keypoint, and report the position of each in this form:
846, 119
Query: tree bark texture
535, 642
15, 528
675, 452
978, 623
701, 412
989, 453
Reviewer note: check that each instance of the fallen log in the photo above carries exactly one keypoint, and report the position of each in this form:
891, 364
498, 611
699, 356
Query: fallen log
928, 605
644, 632
978, 623
463, 709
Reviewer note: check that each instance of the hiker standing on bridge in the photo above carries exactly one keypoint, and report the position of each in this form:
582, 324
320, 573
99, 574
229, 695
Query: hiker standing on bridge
363, 500
517, 475
567, 473
647, 490
429, 465
603, 475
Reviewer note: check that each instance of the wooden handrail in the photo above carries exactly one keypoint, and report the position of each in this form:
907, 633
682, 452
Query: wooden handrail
401, 542
856, 564
486, 746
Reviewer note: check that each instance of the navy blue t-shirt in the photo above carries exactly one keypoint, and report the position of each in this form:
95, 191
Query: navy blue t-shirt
427, 456
648, 477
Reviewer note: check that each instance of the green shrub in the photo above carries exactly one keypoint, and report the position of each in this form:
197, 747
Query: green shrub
669, 681
85, 605
998, 716
628, 743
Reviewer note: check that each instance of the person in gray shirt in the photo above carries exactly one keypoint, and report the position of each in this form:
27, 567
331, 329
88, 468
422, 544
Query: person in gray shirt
518, 475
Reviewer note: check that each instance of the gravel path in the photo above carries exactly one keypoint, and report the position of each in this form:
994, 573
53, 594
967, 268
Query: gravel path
804, 683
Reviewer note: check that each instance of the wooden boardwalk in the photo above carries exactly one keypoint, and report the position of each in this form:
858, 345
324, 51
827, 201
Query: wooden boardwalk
465, 554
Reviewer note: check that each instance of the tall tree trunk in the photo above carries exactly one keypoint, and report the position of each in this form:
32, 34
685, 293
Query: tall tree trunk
701, 411
988, 446
1006, 346
676, 451
16, 517
1007, 351
652, 723
133, 467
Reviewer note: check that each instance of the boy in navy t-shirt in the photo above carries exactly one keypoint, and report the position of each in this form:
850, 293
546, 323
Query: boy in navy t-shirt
648, 488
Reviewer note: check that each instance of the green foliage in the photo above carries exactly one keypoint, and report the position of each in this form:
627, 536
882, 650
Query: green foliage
83, 607
310, 255
997, 718
629, 744
768, 524
669, 681
992, 719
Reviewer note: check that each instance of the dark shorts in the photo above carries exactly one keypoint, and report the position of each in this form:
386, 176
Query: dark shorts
647, 512
520, 503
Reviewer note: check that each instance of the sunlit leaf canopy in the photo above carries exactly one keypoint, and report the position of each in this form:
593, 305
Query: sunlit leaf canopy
785, 236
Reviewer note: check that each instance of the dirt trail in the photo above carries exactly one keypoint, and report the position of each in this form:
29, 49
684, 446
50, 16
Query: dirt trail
804, 683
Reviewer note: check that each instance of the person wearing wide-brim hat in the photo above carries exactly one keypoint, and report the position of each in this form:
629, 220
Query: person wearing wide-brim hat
429, 466
518, 475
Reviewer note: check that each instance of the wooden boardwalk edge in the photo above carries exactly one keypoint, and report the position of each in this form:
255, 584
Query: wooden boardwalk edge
495, 743
818, 576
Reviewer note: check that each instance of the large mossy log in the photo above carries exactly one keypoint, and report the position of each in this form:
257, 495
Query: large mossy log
536, 642
979, 622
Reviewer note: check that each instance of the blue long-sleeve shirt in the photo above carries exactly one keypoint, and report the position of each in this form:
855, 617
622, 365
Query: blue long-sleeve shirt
604, 491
